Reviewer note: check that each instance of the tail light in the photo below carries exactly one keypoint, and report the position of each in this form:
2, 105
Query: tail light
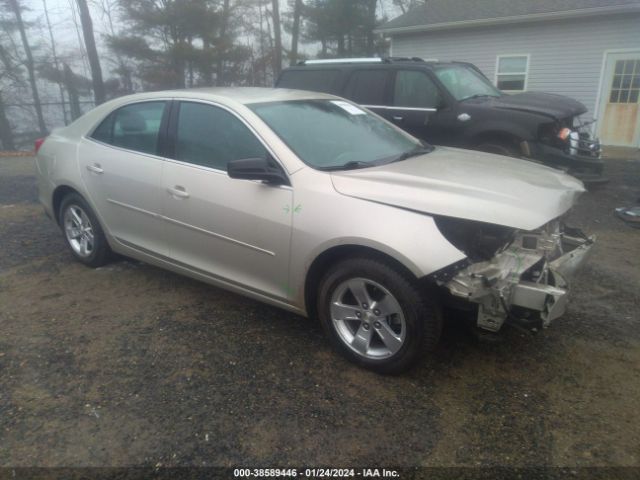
38, 143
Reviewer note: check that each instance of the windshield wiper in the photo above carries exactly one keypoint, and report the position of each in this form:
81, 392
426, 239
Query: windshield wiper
413, 153
352, 165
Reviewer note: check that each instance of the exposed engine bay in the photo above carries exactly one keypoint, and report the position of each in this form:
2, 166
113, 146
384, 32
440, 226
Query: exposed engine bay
514, 275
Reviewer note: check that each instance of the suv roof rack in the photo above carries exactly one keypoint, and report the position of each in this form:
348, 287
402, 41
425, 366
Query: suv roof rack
403, 59
340, 60
363, 60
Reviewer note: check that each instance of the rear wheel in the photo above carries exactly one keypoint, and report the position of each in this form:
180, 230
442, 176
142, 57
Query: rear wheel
376, 316
83, 233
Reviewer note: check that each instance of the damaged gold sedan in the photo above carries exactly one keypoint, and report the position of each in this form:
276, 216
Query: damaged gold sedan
313, 204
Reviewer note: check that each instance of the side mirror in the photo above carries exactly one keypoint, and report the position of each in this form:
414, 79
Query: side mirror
264, 169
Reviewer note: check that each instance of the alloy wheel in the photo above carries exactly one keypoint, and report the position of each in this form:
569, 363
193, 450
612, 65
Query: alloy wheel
368, 318
79, 231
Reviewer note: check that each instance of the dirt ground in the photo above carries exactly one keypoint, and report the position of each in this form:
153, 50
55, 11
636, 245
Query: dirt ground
132, 365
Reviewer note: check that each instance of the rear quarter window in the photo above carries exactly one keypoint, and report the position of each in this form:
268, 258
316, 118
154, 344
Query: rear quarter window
313, 80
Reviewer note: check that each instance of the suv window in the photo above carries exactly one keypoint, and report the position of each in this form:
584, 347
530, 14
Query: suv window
211, 137
415, 89
367, 87
314, 80
134, 127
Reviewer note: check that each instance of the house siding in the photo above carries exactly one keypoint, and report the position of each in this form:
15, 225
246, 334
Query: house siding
566, 56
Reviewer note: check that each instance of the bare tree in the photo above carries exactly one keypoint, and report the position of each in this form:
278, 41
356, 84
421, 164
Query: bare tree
125, 70
92, 52
277, 39
55, 58
224, 25
371, 20
16, 8
295, 31
10, 80
406, 5
6, 133
74, 99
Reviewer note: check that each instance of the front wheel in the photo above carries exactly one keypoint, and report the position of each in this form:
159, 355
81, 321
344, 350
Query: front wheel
376, 315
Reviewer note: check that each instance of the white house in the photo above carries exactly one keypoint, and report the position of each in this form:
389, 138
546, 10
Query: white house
586, 49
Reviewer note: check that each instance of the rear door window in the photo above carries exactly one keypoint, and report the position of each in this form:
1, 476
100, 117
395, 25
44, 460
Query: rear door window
415, 89
134, 127
368, 87
313, 80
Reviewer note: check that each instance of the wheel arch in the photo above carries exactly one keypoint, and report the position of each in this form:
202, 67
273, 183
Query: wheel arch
60, 192
330, 257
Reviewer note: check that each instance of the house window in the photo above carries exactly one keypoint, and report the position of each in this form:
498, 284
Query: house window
626, 82
511, 72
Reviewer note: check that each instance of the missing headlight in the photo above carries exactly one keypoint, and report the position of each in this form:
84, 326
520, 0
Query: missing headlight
479, 241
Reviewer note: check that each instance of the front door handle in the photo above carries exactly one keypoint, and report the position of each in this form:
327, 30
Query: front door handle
178, 192
397, 118
96, 168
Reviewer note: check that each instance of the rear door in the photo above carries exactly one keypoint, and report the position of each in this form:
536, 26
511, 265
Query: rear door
122, 172
235, 230
370, 88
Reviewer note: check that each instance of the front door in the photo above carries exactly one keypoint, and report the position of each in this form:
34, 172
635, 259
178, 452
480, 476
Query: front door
234, 230
414, 106
620, 100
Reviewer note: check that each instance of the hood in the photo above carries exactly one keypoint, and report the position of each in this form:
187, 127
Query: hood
557, 107
467, 184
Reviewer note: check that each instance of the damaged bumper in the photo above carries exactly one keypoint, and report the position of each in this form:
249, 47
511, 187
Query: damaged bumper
581, 156
528, 282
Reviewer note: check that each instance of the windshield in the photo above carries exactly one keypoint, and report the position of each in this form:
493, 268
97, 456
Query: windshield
464, 82
334, 134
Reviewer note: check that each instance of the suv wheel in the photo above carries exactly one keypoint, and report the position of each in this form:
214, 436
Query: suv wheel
376, 316
82, 232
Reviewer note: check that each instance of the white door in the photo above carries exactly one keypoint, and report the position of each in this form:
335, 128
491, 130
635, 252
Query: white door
619, 117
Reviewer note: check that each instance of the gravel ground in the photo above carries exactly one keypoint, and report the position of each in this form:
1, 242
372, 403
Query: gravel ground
132, 365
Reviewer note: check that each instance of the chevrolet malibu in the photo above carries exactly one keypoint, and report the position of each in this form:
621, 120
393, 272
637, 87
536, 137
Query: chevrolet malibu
313, 204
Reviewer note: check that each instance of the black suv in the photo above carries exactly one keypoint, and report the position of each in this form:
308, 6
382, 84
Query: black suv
453, 103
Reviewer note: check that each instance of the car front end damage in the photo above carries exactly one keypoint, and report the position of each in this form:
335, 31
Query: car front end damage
525, 281
569, 146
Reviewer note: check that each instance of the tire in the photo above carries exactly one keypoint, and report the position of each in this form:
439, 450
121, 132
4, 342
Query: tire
499, 148
409, 333
82, 232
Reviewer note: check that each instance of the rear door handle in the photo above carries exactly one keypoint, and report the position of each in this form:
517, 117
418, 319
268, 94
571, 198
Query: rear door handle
178, 192
95, 169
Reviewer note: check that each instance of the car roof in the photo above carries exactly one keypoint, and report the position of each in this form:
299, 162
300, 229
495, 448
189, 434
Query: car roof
229, 95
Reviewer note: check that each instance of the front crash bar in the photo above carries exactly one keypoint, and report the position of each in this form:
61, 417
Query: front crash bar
503, 287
